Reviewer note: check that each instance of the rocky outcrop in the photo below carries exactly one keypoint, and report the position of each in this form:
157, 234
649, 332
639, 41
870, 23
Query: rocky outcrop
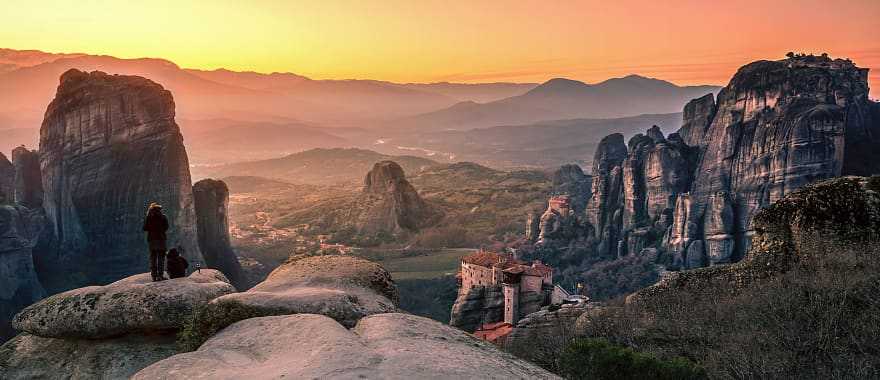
571, 180
32, 357
28, 180
212, 206
477, 306
840, 210
344, 288
696, 117
106, 332
549, 327
778, 126
19, 284
383, 346
604, 210
109, 146
132, 305
7, 180
390, 203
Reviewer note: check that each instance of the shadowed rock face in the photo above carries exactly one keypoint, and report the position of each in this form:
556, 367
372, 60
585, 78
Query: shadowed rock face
778, 126
19, 285
28, 180
571, 180
7, 180
392, 204
212, 206
108, 147
604, 207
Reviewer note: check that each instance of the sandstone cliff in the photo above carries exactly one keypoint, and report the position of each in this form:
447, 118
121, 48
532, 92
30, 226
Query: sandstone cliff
211, 199
108, 147
777, 126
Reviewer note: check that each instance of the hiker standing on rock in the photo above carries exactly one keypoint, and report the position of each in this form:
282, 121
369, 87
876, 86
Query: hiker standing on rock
156, 224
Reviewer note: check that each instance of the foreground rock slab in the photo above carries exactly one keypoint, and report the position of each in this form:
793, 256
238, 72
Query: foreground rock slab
344, 288
131, 305
31, 357
308, 346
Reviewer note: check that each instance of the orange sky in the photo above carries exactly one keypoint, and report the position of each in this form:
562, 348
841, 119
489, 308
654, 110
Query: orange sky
686, 42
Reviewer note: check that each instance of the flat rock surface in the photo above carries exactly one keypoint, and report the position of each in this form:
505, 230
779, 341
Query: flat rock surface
134, 304
308, 346
344, 288
31, 357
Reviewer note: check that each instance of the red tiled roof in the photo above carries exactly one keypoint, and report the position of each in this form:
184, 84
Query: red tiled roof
493, 331
490, 259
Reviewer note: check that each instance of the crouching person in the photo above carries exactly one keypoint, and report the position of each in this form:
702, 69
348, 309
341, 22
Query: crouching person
176, 264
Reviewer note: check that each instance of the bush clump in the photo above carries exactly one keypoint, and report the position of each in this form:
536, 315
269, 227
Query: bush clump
598, 359
209, 319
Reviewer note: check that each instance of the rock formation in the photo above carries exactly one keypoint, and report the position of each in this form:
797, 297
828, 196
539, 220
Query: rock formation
545, 328
106, 332
344, 288
477, 306
390, 203
108, 147
778, 125
308, 346
571, 180
28, 181
605, 205
19, 286
7, 180
211, 206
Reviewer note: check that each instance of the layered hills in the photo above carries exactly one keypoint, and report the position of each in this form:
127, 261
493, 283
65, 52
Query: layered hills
562, 98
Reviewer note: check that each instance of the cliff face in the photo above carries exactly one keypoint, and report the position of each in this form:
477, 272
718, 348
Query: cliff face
7, 180
778, 125
390, 203
605, 205
28, 181
211, 206
19, 285
571, 180
108, 147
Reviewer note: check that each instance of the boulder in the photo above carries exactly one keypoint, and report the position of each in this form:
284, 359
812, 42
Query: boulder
32, 357
307, 346
109, 146
344, 288
212, 210
132, 305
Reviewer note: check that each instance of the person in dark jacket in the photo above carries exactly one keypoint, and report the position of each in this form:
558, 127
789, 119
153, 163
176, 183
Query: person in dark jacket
156, 225
176, 264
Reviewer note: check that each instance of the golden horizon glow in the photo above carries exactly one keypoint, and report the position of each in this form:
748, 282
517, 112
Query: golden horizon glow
685, 42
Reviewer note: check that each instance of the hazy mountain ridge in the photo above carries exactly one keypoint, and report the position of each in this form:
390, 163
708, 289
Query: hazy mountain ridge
561, 98
316, 166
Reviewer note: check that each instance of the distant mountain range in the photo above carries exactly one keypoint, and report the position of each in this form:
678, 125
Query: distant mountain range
28, 80
566, 99
542, 144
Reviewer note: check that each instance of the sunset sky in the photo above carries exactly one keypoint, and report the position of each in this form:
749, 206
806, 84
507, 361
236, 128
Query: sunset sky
686, 42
